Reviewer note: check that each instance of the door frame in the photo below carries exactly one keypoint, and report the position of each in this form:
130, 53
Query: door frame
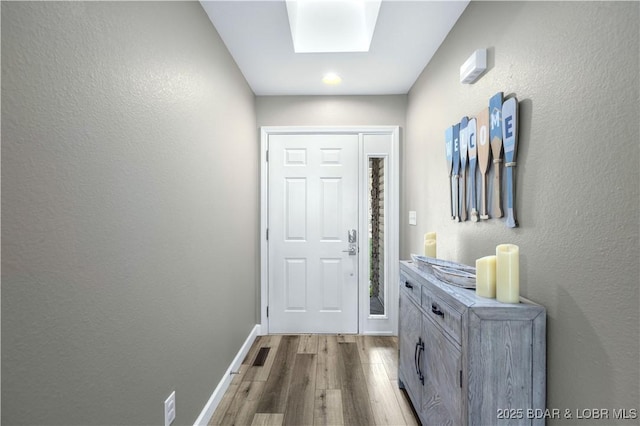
387, 325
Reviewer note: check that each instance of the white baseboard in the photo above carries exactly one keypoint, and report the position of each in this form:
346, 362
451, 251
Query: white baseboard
379, 333
223, 385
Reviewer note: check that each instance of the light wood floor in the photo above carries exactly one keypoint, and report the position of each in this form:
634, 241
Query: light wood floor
317, 380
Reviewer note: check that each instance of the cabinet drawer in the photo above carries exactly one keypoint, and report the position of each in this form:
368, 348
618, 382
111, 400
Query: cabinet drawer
443, 314
411, 287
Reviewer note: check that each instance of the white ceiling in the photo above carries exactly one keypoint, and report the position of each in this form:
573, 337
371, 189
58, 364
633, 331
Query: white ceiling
406, 36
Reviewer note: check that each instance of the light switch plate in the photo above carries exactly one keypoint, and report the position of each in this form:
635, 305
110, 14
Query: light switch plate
413, 220
170, 409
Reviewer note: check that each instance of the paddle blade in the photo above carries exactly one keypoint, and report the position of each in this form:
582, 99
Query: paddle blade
472, 138
456, 149
483, 139
463, 141
509, 128
495, 124
448, 142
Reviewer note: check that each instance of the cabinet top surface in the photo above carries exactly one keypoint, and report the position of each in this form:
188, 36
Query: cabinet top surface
465, 296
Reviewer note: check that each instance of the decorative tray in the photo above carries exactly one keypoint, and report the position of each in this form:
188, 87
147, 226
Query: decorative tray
450, 272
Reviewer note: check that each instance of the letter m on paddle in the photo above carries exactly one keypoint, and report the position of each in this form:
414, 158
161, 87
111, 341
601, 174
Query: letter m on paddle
495, 118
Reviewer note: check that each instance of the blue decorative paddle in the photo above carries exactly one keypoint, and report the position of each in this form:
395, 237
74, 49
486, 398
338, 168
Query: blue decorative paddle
473, 159
483, 156
456, 170
448, 142
495, 134
464, 141
510, 141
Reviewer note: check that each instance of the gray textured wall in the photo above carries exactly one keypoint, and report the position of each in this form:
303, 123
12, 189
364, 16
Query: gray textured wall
130, 196
331, 110
575, 69
129, 211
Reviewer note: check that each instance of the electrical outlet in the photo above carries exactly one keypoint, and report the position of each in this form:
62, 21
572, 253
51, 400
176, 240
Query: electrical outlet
170, 409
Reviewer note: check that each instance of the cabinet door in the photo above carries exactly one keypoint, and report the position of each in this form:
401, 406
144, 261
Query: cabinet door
410, 328
442, 393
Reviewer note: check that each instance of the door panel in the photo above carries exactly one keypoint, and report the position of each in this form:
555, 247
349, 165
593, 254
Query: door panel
313, 203
330, 284
442, 396
296, 209
296, 284
411, 327
330, 220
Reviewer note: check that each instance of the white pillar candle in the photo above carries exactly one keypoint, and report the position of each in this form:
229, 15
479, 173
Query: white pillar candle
430, 248
486, 277
429, 236
508, 273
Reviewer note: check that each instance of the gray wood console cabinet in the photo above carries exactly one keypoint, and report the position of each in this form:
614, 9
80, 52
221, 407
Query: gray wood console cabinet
467, 360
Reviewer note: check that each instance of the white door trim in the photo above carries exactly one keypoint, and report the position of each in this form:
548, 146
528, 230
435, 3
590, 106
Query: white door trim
393, 213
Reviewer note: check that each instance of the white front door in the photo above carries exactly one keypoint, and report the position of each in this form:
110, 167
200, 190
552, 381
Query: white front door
312, 206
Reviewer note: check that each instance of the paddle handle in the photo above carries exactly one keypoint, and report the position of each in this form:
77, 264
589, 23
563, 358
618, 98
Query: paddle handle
511, 205
463, 195
497, 193
483, 197
451, 196
454, 198
472, 191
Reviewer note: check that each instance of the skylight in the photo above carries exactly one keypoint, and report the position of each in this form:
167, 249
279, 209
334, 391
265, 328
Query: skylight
319, 26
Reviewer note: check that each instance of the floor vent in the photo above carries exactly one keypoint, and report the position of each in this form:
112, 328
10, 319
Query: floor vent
261, 357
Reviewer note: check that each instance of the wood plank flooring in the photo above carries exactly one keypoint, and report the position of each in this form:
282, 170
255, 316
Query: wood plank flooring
317, 380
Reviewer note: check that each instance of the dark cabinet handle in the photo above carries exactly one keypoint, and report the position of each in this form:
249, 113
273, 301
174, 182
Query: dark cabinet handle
407, 285
420, 374
415, 356
436, 310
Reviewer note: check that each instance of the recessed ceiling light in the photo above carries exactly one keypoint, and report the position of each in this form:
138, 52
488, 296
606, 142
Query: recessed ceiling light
331, 78
332, 25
